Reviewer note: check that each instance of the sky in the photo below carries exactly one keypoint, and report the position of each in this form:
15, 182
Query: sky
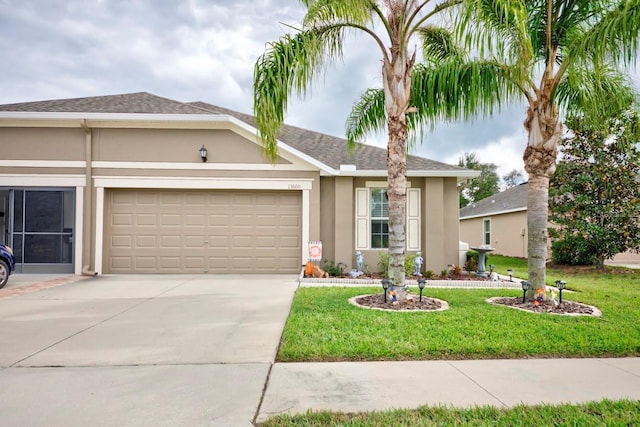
205, 50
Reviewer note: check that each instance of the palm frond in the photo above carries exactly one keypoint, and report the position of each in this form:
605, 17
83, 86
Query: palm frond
367, 116
323, 12
595, 93
456, 90
438, 44
289, 64
614, 37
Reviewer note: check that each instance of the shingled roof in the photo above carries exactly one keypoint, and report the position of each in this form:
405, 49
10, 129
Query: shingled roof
329, 150
129, 103
511, 200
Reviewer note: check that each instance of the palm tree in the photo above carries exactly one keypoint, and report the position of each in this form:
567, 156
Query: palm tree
556, 54
294, 61
563, 55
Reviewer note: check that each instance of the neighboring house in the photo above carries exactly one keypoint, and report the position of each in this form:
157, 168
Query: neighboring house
501, 221
117, 184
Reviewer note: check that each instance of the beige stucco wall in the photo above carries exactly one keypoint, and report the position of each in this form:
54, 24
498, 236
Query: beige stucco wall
175, 145
439, 221
63, 144
508, 233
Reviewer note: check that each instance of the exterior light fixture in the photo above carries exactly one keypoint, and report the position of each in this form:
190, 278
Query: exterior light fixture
203, 153
510, 271
561, 284
525, 287
385, 285
421, 283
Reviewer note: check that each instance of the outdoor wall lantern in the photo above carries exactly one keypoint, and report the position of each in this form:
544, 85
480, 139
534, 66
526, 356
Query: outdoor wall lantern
203, 153
385, 286
421, 283
525, 287
561, 284
510, 271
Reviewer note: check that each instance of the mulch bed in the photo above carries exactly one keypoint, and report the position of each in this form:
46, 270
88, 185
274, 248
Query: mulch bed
566, 307
377, 301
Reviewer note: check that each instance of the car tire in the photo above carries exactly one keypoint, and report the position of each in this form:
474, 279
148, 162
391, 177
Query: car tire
4, 273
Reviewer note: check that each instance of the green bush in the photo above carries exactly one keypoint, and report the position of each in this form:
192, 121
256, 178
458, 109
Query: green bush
472, 261
383, 264
334, 270
571, 250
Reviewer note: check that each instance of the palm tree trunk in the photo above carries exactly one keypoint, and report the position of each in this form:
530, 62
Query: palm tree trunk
397, 193
544, 130
537, 217
397, 88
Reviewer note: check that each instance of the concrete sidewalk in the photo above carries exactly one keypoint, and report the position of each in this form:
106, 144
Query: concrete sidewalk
366, 386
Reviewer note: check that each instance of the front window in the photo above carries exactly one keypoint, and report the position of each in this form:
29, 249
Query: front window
379, 210
487, 232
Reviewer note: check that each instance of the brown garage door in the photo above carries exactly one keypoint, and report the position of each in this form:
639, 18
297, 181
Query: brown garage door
158, 231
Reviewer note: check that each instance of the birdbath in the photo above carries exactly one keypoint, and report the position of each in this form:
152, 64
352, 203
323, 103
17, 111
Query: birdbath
482, 250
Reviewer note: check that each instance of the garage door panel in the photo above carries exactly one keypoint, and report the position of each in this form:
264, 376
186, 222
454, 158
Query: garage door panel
122, 219
147, 263
194, 241
199, 231
146, 241
170, 219
121, 241
171, 242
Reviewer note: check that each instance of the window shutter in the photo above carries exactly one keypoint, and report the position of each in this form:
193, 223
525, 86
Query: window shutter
413, 219
362, 219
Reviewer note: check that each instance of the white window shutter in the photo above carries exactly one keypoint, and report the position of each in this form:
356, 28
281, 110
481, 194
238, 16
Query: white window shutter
362, 219
413, 219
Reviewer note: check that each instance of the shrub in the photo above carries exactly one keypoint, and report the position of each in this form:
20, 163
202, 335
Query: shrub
333, 269
444, 273
571, 250
383, 264
456, 271
429, 274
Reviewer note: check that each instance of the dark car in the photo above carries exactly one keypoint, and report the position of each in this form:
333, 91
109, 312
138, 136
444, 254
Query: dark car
7, 264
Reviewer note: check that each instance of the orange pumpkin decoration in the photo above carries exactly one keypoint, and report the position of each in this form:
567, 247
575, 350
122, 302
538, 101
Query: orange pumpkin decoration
308, 270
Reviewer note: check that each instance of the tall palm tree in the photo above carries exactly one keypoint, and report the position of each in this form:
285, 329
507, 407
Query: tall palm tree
557, 55
291, 64
294, 61
566, 57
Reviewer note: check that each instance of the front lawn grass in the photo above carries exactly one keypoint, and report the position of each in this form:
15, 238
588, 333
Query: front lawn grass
323, 326
606, 412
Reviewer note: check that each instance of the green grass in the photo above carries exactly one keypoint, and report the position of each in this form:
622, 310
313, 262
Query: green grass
606, 412
323, 326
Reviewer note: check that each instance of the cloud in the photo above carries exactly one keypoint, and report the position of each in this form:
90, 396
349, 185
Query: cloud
205, 50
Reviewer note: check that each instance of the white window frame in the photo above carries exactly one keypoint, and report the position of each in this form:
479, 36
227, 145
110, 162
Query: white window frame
363, 217
486, 234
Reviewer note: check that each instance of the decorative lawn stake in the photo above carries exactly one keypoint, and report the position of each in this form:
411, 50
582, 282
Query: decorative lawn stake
561, 284
421, 283
385, 286
525, 287
510, 271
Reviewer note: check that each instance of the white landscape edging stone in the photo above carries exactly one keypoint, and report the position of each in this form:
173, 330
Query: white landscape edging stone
443, 305
596, 311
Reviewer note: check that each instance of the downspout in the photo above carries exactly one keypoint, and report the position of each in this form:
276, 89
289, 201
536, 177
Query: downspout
87, 222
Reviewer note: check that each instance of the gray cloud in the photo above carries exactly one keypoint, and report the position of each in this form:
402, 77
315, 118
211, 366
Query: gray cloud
194, 50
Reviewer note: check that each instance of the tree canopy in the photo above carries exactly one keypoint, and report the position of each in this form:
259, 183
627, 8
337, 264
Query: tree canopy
595, 193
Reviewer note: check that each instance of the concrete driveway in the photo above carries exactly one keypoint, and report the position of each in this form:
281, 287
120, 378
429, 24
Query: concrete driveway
141, 350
